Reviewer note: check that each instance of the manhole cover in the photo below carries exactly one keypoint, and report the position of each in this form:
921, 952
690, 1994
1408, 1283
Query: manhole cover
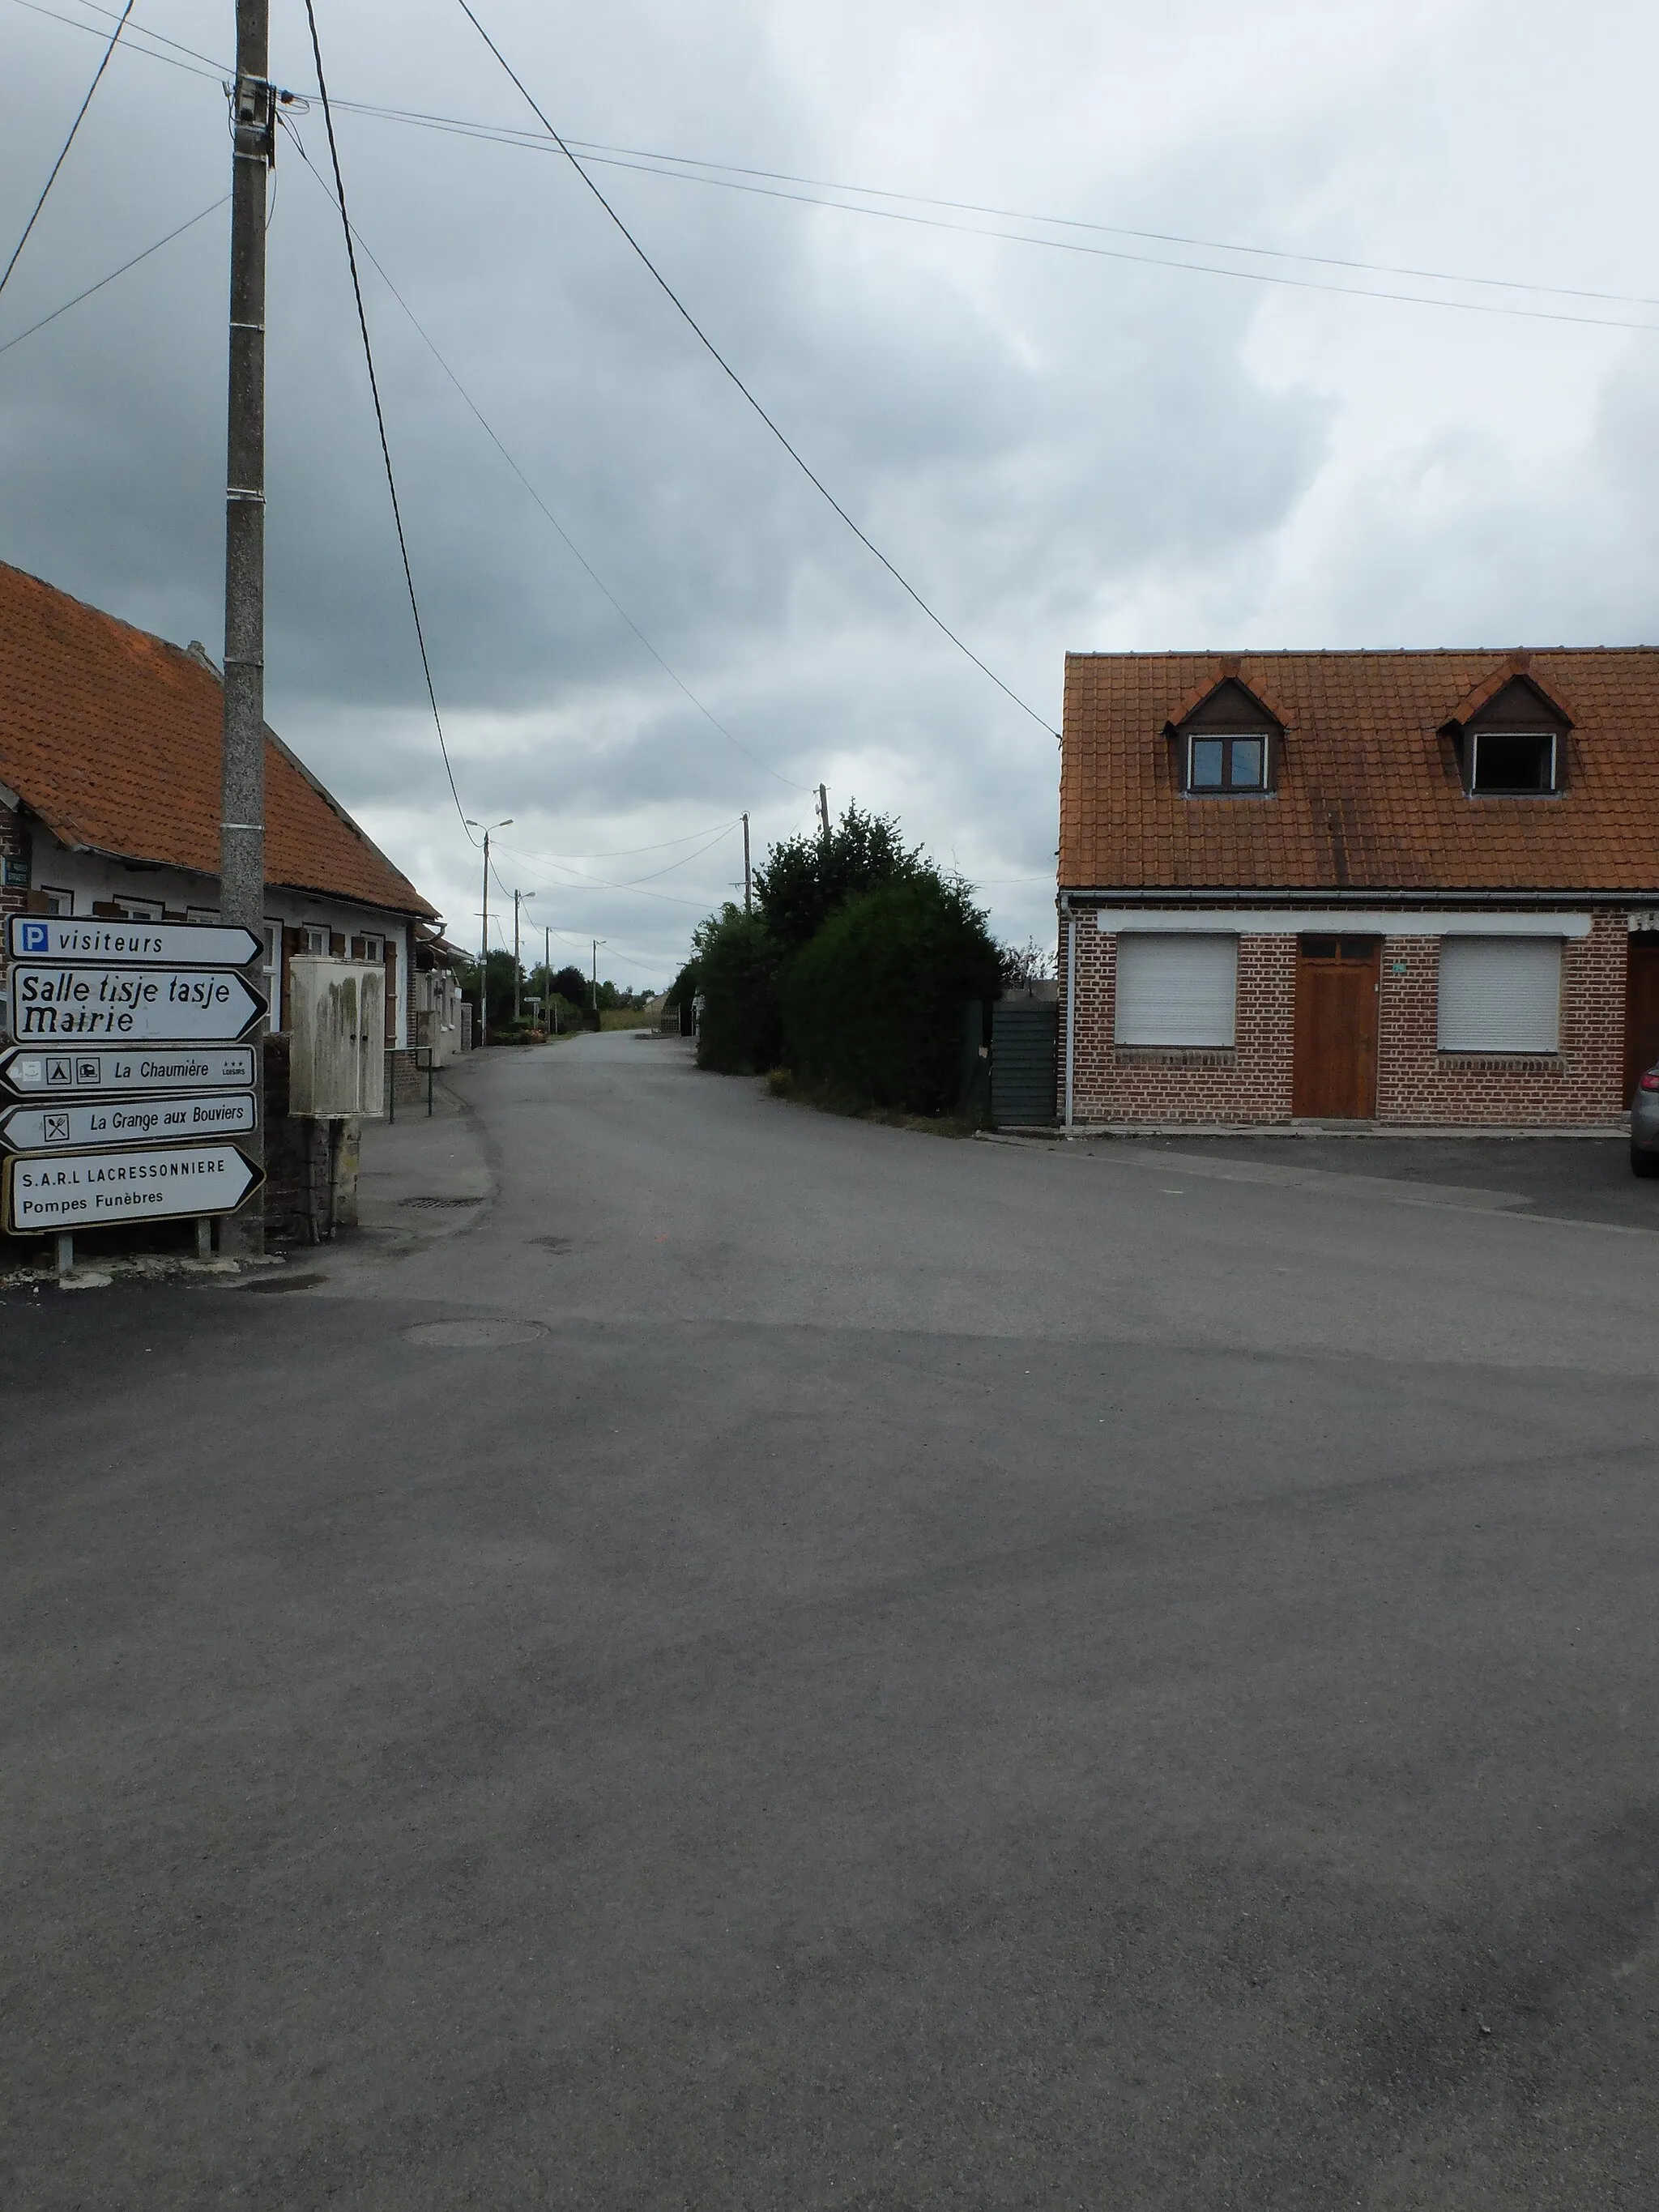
468, 1335
435, 1202
553, 1244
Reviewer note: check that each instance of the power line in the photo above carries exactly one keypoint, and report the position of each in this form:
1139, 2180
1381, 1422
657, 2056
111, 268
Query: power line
634, 882
63, 156
647, 161
201, 217
215, 70
627, 852
490, 431
719, 358
379, 418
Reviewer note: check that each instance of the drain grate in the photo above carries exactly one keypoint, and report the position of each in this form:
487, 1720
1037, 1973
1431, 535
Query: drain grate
436, 1202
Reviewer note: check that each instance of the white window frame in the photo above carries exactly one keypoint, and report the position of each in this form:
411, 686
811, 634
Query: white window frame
65, 907
1135, 1026
1531, 791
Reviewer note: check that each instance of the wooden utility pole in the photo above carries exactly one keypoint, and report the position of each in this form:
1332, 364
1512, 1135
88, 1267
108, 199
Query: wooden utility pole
748, 881
823, 810
242, 810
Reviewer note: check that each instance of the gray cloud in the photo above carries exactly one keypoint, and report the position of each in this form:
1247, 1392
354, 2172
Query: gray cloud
1060, 452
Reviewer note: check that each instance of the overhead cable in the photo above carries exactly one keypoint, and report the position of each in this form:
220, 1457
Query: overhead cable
685, 861
490, 431
201, 216
724, 366
63, 152
653, 161
379, 420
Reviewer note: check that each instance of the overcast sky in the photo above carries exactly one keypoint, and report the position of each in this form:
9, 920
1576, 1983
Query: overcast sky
1059, 449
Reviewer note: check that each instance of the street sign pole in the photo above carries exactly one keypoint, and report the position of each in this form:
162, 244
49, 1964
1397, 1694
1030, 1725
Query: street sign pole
241, 827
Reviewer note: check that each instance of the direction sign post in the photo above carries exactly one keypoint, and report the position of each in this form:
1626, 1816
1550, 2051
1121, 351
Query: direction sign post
133, 943
64, 1003
57, 1194
29, 1072
101, 1121
127, 1045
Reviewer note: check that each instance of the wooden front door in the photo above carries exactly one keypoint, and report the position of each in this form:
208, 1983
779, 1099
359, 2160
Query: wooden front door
1335, 1070
1641, 1009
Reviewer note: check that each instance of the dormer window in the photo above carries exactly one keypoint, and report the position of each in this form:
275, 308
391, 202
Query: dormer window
1226, 745
1511, 764
1227, 763
1512, 744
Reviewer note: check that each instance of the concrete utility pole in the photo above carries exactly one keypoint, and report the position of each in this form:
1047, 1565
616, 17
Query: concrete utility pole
242, 810
598, 941
483, 946
547, 974
518, 899
823, 811
748, 898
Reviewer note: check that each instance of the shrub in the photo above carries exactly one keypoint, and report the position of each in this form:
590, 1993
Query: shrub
738, 974
872, 1006
801, 883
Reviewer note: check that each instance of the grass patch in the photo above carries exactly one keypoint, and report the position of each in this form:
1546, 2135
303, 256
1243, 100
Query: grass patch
781, 1084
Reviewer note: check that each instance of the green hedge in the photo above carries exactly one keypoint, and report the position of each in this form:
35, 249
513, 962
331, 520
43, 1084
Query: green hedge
872, 1006
738, 963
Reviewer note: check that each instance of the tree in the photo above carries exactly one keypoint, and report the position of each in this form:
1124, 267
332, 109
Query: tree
1024, 964
500, 989
570, 983
736, 961
803, 881
872, 1007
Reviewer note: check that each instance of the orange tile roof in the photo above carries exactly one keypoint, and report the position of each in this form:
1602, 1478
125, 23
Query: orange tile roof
112, 738
1368, 793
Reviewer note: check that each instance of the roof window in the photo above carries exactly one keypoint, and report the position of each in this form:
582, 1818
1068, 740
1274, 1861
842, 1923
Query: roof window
1514, 743
1511, 764
1228, 743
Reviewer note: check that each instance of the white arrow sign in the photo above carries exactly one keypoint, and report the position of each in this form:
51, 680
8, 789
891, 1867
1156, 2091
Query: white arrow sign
80, 1190
128, 1120
60, 1004
29, 1073
154, 943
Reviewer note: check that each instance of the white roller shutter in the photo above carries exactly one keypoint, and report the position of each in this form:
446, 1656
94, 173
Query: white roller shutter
1176, 990
1500, 994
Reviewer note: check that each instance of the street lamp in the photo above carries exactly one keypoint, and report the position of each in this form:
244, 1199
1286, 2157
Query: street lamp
505, 823
520, 898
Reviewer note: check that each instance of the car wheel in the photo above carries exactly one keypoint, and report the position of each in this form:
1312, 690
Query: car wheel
1644, 1163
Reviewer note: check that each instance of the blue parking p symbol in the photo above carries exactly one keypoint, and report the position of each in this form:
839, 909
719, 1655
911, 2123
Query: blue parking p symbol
35, 937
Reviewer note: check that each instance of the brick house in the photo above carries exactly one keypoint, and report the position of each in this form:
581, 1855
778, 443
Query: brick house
110, 801
1397, 888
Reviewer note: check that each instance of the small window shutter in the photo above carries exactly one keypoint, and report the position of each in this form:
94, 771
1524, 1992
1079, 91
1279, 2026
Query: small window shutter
1176, 990
1500, 994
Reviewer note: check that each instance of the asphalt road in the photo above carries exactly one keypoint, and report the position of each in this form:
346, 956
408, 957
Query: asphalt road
757, 1661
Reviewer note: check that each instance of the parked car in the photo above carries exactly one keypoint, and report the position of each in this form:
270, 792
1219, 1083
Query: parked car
1644, 1126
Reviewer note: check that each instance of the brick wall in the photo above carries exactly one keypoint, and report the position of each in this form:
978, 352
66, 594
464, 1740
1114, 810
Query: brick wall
1582, 1083
1417, 1084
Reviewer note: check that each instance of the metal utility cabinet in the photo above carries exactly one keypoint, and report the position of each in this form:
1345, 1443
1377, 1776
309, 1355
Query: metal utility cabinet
336, 1018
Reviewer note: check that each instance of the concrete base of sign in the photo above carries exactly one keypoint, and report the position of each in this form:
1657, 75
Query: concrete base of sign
84, 1278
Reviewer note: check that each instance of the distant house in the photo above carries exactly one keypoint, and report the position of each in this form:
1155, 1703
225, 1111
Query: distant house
1404, 888
110, 804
